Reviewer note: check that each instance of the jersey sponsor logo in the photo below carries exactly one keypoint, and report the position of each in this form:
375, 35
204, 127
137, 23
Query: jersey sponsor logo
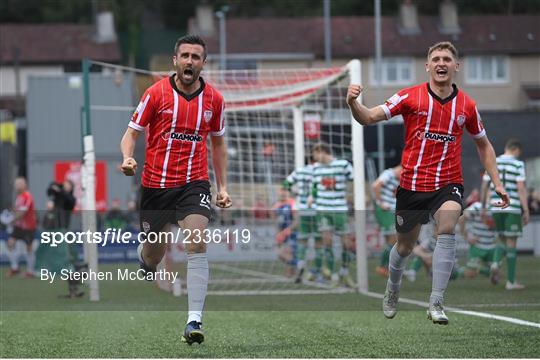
207, 115
461, 120
181, 136
420, 135
328, 183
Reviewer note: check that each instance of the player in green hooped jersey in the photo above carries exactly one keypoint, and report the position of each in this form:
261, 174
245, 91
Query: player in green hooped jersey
384, 193
508, 222
299, 182
479, 233
330, 177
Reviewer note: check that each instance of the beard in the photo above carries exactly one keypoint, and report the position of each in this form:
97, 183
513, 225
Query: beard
187, 76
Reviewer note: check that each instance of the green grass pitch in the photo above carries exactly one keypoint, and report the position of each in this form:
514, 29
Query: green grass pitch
134, 319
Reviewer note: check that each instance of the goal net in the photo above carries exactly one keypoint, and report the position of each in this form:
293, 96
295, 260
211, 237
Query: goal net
273, 118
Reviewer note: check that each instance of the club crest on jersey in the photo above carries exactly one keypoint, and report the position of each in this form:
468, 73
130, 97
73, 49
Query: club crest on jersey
207, 115
181, 136
461, 120
420, 135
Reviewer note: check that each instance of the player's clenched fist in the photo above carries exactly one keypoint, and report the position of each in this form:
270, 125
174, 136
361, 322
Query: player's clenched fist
353, 92
223, 200
129, 166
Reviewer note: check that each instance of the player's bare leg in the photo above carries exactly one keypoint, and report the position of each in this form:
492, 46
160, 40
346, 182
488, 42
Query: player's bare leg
197, 274
444, 255
398, 259
151, 254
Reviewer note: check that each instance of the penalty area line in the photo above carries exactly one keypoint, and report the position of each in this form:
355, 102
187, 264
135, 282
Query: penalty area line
460, 311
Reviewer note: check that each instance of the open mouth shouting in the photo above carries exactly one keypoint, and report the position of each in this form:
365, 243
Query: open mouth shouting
441, 73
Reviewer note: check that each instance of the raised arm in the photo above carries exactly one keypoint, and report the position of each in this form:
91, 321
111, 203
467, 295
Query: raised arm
361, 113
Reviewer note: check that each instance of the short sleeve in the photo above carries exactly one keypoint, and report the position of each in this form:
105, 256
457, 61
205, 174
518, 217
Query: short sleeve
144, 113
396, 105
217, 125
385, 176
291, 179
474, 124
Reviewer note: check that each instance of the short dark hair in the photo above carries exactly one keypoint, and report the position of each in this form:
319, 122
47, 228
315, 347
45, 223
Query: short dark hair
513, 144
444, 45
322, 147
190, 39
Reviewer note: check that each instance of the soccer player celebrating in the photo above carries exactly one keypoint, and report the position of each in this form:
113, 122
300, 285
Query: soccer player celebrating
435, 115
179, 112
384, 191
25, 224
508, 222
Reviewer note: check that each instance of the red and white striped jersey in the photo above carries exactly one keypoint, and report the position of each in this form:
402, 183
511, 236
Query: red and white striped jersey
431, 158
24, 202
178, 125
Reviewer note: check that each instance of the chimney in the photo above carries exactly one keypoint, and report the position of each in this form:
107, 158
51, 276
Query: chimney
448, 18
408, 18
105, 31
204, 19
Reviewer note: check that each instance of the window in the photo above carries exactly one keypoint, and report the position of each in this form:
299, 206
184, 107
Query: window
394, 71
486, 69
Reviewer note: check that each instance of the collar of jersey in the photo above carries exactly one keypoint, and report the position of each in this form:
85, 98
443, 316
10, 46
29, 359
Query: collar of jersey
443, 101
188, 97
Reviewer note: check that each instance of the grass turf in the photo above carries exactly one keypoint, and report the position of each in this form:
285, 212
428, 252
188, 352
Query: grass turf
260, 326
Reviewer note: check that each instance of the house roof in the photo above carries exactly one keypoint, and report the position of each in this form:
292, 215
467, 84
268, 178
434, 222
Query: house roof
53, 43
353, 36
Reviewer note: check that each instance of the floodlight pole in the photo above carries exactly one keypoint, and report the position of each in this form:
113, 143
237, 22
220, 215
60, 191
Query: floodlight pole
327, 34
221, 15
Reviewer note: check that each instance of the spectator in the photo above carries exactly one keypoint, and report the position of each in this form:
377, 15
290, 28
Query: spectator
534, 201
115, 218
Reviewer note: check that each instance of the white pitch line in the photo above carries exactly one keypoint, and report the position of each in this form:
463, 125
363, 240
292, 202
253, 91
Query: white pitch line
522, 305
281, 292
460, 311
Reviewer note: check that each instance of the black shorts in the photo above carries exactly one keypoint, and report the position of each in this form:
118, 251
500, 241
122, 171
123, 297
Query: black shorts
22, 234
413, 207
160, 207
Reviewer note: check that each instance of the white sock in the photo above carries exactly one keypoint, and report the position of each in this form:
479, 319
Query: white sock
30, 262
396, 265
197, 284
443, 261
13, 256
300, 264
